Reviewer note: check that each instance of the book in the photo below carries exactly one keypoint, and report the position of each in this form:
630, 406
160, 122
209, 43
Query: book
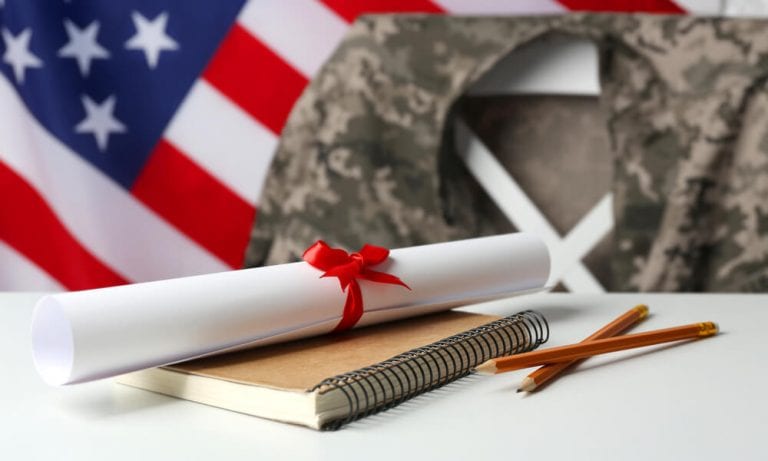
326, 382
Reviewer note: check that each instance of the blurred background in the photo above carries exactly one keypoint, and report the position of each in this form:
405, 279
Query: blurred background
136, 136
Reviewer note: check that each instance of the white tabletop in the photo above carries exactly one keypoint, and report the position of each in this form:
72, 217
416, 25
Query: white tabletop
702, 400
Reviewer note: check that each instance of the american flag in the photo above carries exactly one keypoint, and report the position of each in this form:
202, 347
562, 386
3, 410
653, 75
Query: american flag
135, 136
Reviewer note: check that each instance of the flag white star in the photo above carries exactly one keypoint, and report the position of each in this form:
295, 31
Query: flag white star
151, 38
82, 45
100, 121
17, 53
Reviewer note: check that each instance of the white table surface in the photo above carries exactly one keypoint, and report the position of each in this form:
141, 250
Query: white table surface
703, 400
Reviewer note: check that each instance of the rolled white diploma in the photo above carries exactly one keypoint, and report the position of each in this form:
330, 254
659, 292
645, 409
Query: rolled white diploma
87, 335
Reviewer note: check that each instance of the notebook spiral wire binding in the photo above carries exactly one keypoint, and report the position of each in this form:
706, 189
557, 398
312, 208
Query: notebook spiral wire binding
391, 382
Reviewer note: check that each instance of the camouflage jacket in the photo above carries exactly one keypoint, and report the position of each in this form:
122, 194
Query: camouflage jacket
364, 156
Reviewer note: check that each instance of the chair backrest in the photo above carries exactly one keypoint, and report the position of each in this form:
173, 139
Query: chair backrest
531, 133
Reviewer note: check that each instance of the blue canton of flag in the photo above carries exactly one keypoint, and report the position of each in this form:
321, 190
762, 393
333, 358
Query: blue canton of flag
106, 77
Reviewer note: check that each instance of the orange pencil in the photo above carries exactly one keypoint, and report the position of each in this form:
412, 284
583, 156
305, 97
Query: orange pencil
548, 372
598, 346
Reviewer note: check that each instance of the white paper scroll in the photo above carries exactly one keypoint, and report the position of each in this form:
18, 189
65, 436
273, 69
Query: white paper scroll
94, 334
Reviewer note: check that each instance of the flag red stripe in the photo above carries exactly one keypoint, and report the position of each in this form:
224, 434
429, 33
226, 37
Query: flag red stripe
351, 9
196, 203
624, 6
29, 225
255, 78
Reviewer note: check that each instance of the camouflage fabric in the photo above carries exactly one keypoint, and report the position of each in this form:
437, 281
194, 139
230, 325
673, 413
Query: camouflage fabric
366, 155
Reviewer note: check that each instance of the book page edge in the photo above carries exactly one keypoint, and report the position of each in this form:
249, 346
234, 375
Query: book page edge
290, 406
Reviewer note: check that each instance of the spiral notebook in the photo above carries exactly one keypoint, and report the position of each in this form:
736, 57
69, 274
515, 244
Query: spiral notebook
328, 381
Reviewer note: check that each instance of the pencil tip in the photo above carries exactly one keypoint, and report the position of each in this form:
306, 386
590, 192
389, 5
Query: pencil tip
527, 385
486, 368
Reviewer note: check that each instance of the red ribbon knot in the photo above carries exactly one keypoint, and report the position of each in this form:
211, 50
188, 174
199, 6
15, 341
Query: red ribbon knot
348, 268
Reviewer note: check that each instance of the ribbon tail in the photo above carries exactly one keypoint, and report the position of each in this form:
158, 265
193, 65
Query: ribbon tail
353, 308
382, 277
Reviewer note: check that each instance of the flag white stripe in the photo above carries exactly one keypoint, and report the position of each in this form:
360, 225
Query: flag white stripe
103, 217
489, 7
19, 273
303, 32
716, 7
228, 143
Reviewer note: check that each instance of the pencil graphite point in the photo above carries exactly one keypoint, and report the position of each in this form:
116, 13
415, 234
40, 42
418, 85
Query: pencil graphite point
486, 368
527, 385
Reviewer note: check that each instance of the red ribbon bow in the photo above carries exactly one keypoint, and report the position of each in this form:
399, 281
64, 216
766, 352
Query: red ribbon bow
348, 268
